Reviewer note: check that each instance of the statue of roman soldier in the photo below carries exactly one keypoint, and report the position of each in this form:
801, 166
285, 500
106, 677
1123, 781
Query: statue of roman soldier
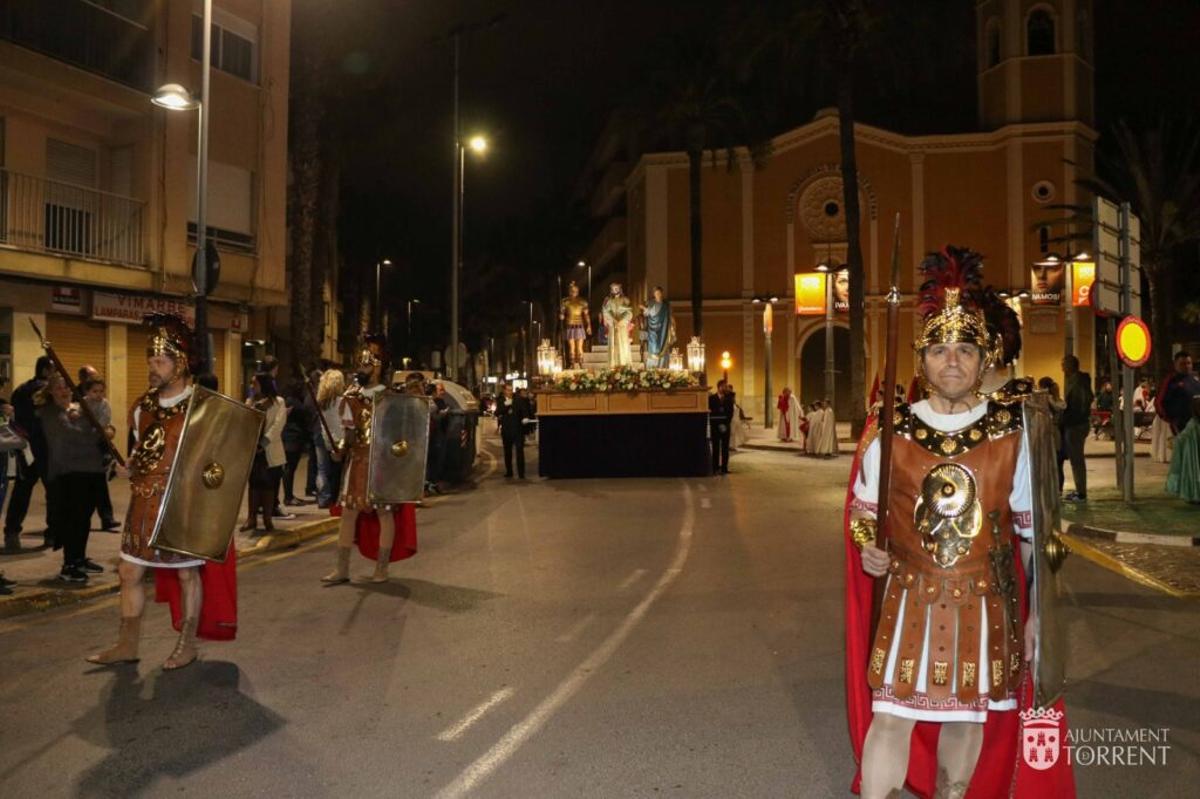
577, 322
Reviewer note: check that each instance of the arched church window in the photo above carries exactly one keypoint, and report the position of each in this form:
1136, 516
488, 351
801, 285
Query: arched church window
1039, 33
993, 42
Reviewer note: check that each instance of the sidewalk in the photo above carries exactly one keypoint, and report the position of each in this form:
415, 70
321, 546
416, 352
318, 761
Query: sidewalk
36, 569
1154, 540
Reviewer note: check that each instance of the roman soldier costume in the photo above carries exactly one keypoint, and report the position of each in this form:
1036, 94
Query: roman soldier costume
204, 604
576, 317
384, 531
948, 646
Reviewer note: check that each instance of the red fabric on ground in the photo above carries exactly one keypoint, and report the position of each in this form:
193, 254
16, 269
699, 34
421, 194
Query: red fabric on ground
1000, 771
218, 611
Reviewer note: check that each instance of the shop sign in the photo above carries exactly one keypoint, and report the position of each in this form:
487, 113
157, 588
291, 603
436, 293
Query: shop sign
810, 293
66, 299
130, 308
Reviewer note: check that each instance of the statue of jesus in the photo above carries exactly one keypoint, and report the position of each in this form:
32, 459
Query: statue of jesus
617, 316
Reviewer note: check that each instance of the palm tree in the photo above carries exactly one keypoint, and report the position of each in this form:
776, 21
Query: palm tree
809, 51
1156, 168
692, 101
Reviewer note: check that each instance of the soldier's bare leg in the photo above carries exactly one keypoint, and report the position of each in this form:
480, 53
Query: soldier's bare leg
192, 597
959, 744
387, 537
133, 600
885, 756
341, 571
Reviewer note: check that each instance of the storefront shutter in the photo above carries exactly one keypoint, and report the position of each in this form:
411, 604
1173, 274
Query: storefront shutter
77, 342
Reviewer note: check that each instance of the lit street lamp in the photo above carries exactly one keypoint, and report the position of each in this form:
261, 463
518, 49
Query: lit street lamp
478, 144
175, 97
830, 271
726, 365
768, 328
380, 319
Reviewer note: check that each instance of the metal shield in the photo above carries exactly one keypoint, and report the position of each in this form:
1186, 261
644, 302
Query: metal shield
208, 476
399, 442
1049, 551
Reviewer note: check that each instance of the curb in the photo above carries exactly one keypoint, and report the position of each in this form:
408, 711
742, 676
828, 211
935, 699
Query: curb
1125, 537
1081, 547
42, 599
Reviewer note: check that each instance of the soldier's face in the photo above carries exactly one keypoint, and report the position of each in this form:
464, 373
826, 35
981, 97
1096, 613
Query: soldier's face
953, 369
162, 370
573, 291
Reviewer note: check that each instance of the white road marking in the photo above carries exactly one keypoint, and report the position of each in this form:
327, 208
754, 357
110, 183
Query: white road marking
631, 579
705, 503
456, 731
580, 626
516, 737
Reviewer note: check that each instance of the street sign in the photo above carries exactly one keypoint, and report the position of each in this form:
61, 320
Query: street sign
1133, 341
1113, 225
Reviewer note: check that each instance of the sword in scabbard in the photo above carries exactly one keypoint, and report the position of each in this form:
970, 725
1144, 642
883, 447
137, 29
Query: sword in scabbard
887, 421
84, 408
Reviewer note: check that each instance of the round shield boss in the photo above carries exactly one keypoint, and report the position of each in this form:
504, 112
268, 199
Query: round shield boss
948, 490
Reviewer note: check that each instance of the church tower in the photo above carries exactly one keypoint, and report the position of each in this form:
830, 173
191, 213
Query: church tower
1035, 62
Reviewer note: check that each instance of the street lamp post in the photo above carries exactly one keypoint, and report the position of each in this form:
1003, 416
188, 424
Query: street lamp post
408, 319
829, 272
726, 365
380, 319
768, 329
175, 97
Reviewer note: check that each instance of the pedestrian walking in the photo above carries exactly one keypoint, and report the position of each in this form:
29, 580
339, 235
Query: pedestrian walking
511, 412
31, 464
11, 442
1183, 478
1174, 401
720, 417
92, 392
296, 436
1076, 418
75, 462
267, 469
329, 465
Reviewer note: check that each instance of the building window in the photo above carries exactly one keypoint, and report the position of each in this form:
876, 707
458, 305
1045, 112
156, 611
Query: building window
234, 44
993, 42
231, 205
1039, 33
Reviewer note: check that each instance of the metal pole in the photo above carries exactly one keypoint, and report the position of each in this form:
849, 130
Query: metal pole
378, 314
1117, 417
768, 407
829, 368
202, 191
455, 254
1069, 266
1127, 371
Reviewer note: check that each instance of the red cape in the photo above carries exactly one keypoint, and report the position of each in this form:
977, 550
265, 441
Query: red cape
366, 532
218, 613
1001, 771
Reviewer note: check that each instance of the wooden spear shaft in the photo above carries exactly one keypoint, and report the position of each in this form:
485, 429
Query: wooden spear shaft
887, 422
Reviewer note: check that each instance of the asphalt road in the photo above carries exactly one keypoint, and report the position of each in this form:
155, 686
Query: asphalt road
552, 639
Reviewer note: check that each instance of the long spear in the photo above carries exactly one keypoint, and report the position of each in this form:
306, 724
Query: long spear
317, 405
887, 422
84, 408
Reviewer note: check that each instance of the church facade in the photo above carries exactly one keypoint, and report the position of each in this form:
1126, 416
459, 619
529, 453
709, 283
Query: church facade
995, 190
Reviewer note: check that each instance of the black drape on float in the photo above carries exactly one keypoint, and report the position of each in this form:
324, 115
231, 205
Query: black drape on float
623, 445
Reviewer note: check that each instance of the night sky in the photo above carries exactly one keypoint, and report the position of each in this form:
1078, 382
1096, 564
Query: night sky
544, 80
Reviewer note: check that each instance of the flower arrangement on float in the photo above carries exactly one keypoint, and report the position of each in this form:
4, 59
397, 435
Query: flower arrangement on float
624, 378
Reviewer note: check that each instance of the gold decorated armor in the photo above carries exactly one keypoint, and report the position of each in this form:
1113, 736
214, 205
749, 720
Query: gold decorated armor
574, 311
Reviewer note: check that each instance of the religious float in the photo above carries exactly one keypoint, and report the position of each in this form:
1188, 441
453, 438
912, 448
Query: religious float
623, 422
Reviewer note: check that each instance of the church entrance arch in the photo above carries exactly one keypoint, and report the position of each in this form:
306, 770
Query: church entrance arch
812, 369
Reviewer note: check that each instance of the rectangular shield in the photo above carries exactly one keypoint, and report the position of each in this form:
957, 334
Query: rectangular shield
208, 476
1049, 659
399, 442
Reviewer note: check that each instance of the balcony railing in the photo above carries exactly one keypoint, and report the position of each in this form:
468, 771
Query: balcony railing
42, 215
108, 37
